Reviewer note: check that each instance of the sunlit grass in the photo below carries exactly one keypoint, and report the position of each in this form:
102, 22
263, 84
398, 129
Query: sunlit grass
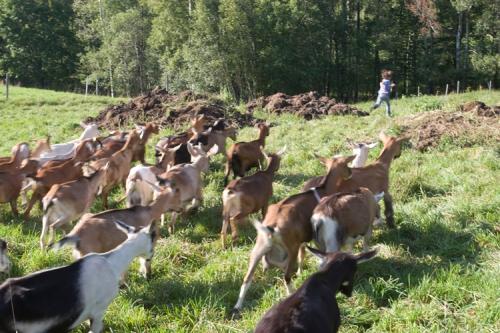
437, 272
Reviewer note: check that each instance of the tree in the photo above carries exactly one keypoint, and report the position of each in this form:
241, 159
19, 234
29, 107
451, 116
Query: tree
41, 48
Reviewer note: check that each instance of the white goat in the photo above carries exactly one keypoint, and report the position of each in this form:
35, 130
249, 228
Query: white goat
62, 151
361, 150
60, 299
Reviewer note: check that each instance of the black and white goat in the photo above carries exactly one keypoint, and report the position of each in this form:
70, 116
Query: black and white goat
313, 307
59, 299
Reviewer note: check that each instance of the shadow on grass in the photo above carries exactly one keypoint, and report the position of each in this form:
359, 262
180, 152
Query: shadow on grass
294, 180
393, 278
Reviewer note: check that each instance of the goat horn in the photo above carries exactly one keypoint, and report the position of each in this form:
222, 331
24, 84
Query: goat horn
264, 153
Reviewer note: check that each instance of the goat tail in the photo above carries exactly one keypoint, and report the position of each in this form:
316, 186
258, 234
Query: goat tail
266, 230
378, 196
68, 240
316, 223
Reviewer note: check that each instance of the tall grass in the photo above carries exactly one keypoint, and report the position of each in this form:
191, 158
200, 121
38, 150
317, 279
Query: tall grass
437, 272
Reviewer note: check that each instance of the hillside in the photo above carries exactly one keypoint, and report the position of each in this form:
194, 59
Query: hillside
437, 272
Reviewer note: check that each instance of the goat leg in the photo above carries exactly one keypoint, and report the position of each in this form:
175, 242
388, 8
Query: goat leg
257, 253
13, 207
31, 203
96, 324
300, 257
291, 269
227, 171
389, 211
223, 232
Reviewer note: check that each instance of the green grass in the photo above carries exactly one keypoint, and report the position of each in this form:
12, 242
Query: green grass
437, 272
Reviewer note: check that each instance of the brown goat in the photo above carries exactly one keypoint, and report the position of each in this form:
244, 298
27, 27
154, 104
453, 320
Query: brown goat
287, 226
99, 233
11, 183
114, 143
211, 137
119, 166
342, 217
374, 176
68, 171
243, 156
248, 195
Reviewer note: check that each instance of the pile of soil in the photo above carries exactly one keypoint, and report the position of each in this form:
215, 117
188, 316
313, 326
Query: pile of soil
308, 105
168, 110
473, 120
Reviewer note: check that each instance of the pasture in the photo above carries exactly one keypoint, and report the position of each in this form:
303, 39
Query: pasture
438, 271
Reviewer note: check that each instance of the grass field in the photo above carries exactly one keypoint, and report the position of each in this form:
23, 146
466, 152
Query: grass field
439, 271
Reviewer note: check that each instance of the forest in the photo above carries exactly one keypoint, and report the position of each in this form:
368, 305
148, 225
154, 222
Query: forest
247, 48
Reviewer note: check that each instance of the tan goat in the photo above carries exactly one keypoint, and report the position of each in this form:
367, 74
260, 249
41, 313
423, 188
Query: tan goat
248, 195
187, 177
341, 218
98, 232
287, 227
67, 202
243, 156
374, 176
68, 171
11, 183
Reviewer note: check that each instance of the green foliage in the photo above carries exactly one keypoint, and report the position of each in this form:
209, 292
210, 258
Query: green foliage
38, 45
437, 272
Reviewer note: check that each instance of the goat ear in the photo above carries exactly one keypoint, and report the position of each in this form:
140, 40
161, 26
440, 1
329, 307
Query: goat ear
322, 159
365, 256
372, 145
318, 253
214, 150
124, 227
190, 149
349, 159
383, 137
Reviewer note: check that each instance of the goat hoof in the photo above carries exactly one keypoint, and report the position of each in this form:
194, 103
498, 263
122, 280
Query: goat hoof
235, 314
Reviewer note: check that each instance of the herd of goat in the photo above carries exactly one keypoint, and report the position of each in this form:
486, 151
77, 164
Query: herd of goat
332, 210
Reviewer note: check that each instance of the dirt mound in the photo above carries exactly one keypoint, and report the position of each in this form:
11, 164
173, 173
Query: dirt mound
168, 110
473, 122
308, 105
480, 109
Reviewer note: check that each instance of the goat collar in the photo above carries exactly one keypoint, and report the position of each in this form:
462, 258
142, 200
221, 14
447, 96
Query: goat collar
316, 194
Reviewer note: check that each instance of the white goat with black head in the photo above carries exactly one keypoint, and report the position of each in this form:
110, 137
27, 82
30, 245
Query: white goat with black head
60, 299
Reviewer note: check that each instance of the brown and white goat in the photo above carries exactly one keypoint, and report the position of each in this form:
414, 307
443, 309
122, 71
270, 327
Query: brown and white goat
67, 202
341, 218
68, 171
243, 156
287, 227
187, 177
120, 164
98, 232
374, 176
11, 183
248, 195
313, 307
211, 137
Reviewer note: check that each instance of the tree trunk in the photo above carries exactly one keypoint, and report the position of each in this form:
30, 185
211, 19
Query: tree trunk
465, 58
457, 43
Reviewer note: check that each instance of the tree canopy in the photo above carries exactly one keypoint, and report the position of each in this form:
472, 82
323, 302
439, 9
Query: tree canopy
250, 47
